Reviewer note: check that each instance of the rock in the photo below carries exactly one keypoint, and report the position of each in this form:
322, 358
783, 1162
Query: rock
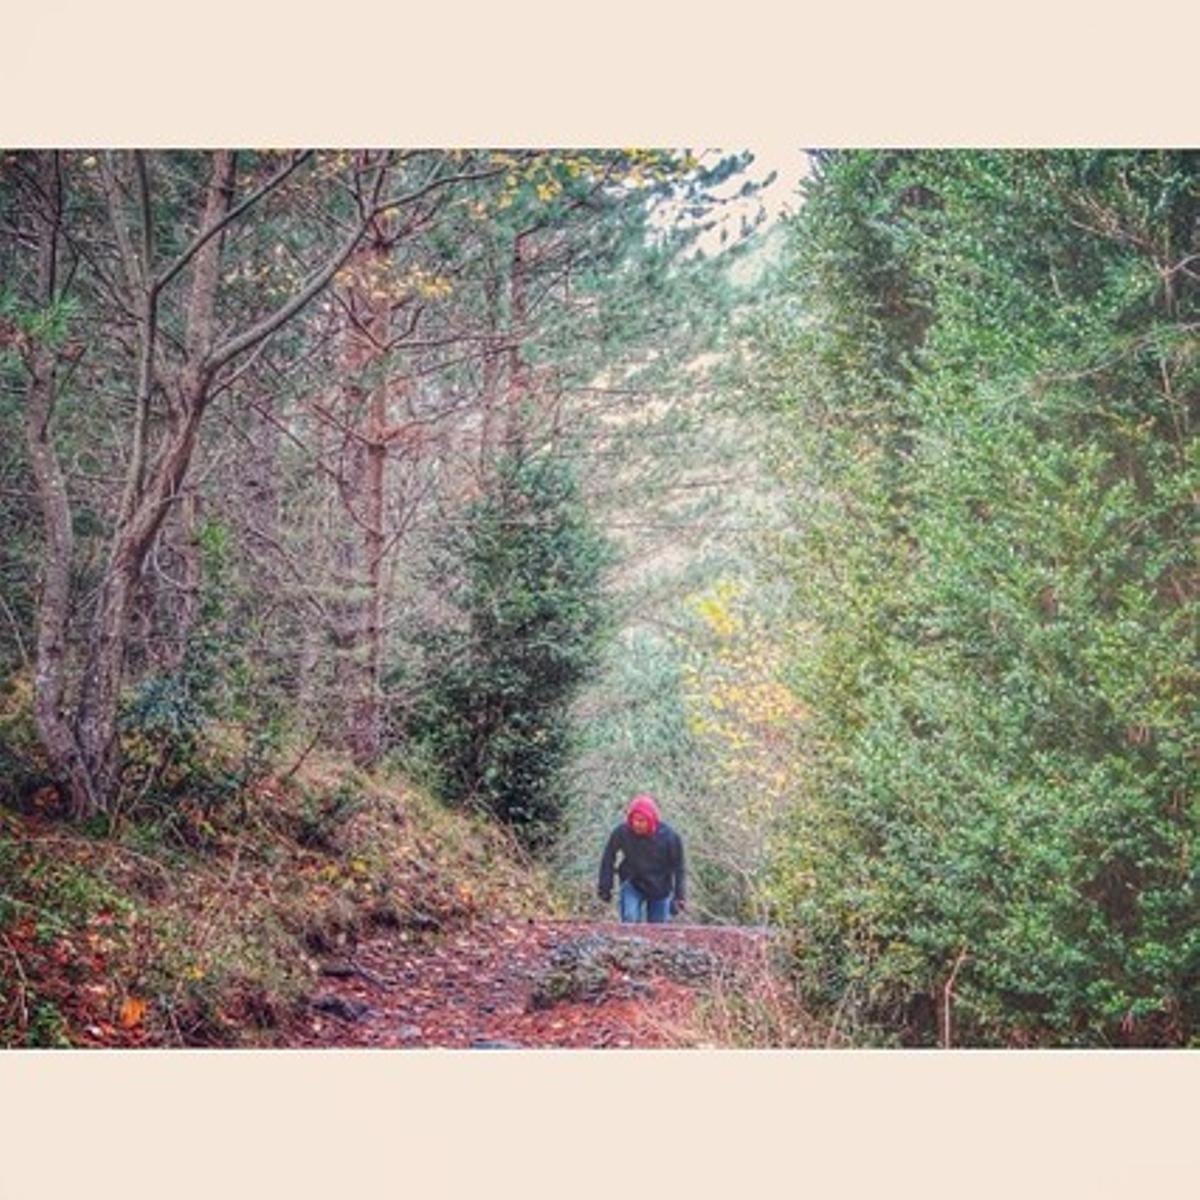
581, 969
409, 1032
422, 922
347, 1010
567, 981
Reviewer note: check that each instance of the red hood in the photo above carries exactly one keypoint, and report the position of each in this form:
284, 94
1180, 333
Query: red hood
645, 804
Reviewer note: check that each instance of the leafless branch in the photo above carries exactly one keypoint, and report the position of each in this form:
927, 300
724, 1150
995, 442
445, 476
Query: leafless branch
273, 321
206, 235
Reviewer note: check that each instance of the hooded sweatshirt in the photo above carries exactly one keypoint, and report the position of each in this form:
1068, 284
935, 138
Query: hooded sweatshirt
652, 862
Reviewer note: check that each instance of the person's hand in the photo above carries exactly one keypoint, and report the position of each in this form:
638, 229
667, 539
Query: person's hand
677, 906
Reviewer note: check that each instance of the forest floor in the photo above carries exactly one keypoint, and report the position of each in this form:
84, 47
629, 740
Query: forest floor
527, 984
336, 909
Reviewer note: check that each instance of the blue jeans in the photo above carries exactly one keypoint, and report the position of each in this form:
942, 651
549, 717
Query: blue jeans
634, 904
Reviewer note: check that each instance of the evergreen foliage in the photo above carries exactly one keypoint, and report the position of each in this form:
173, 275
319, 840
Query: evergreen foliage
987, 363
524, 631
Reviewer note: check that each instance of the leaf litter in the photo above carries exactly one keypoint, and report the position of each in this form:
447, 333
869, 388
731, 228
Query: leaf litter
527, 985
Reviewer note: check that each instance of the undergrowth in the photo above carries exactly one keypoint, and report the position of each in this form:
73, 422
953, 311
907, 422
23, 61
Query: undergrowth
200, 918
758, 1008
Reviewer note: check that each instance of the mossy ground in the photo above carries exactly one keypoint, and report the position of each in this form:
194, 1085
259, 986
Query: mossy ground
202, 925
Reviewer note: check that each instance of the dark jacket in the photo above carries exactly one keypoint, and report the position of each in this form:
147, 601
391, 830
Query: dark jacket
652, 862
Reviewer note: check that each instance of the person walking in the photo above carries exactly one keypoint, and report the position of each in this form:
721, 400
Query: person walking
649, 866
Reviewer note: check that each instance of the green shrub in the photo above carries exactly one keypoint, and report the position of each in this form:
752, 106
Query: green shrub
992, 482
528, 619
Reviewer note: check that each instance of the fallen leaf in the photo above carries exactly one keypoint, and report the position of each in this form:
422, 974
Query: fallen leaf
132, 1012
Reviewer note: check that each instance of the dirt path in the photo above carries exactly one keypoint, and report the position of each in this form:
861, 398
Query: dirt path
529, 985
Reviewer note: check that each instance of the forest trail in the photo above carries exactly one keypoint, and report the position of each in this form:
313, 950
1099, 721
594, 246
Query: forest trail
533, 985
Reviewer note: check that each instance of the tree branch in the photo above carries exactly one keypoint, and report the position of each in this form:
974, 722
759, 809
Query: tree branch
273, 321
232, 215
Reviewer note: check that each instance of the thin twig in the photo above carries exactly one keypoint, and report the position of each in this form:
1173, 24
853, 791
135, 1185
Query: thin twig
303, 754
22, 985
948, 999
206, 235
16, 628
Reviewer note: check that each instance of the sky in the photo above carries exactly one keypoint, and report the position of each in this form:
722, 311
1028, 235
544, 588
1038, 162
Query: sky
774, 199
790, 165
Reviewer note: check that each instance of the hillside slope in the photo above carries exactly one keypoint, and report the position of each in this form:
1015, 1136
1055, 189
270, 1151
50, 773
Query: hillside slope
206, 924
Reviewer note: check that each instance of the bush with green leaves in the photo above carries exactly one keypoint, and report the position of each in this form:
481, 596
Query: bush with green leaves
987, 362
526, 618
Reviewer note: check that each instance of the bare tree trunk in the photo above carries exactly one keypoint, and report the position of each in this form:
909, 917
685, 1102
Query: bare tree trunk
492, 368
312, 636
152, 483
263, 481
198, 341
96, 726
49, 679
148, 500
518, 381
368, 352
368, 721
189, 552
